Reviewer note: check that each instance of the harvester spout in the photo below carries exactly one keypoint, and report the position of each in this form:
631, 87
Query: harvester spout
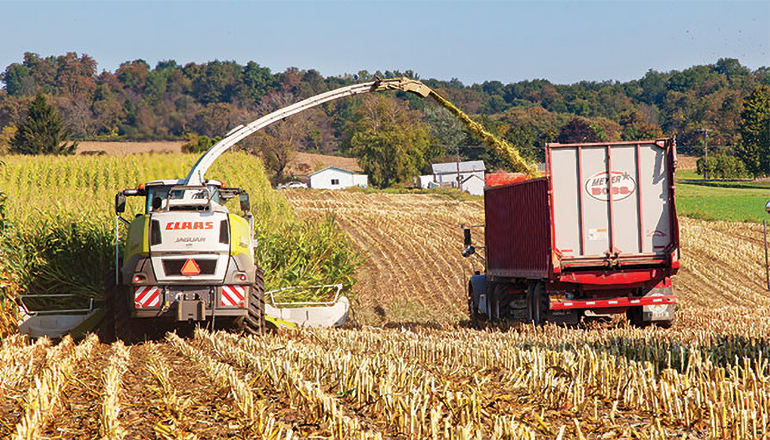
402, 84
196, 175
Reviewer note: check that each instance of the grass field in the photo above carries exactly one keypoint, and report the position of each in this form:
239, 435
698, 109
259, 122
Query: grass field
725, 201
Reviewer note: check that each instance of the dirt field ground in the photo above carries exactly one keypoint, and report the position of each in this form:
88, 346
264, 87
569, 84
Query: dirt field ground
124, 148
303, 163
414, 271
686, 162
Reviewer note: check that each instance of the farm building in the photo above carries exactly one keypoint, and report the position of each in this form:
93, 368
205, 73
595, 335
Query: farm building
337, 178
470, 173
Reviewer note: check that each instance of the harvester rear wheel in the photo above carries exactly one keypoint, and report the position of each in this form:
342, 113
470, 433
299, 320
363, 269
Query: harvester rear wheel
125, 326
107, 329
254, 324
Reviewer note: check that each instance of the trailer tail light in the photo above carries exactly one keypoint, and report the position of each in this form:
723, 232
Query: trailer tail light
233, 296
146, 296
138, 278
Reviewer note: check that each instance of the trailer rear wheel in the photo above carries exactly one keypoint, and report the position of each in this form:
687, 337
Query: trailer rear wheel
537, 305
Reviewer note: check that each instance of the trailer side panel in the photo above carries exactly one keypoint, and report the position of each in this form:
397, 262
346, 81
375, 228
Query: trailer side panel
518, 229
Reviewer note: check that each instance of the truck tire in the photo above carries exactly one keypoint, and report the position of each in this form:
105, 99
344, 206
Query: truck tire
254, 324
634, 315
537, 306
475, 316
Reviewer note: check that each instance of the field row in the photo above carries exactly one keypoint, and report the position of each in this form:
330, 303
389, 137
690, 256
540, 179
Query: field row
414, 271
368, 383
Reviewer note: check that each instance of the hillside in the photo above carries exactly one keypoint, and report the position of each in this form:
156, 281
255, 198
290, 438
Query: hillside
169, 101
414, 271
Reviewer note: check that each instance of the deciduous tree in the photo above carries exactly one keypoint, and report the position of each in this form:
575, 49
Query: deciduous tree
389, 140
578, 130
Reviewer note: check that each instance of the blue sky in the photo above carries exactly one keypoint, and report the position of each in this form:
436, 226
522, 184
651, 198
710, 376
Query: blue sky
473, 41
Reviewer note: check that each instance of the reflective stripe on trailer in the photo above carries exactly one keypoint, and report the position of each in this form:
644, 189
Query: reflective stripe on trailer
614, 302
233, 296
146, 296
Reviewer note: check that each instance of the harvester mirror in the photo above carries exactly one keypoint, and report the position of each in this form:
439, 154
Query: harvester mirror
467, 232
120, 202
245, 203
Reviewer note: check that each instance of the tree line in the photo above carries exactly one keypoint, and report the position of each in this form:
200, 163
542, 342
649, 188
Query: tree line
197, 102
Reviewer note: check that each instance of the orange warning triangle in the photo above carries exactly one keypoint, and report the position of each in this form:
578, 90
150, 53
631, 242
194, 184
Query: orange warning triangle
190, 268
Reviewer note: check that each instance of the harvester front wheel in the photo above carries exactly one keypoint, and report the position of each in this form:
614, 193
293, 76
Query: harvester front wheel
254, 324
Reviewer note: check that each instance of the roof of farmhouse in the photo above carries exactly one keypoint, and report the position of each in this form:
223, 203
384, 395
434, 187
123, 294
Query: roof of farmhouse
336, 169
465, 167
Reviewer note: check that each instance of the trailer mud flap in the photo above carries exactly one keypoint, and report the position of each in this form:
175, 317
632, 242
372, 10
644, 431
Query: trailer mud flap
659, 312
190, 310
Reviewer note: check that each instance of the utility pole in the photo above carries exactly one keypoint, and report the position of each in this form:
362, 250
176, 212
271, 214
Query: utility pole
458, 168
705, 133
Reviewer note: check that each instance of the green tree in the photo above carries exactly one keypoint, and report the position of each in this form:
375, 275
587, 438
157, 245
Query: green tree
445, 128
390, 141
754, 149
42, 132
198, 144
721, 166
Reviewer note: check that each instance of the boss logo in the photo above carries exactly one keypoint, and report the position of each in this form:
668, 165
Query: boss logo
178, 226
623, 185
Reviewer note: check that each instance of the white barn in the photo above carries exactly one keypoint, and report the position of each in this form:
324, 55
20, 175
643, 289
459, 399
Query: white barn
337, 178
471, 175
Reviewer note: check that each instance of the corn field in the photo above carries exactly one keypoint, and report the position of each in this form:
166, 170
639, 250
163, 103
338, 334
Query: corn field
523, 382
57, 223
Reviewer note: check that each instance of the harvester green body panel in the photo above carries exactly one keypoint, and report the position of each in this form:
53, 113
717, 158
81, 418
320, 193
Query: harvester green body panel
240, 237
138, 238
